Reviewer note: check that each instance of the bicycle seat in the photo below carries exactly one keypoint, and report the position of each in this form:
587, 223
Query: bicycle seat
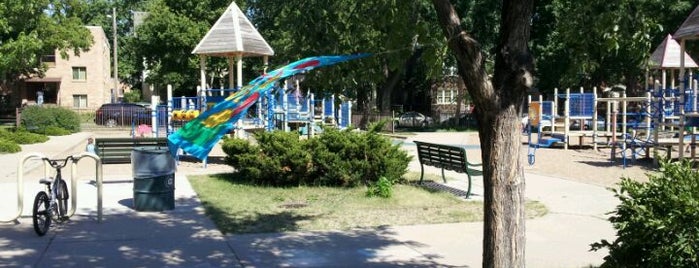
46, 181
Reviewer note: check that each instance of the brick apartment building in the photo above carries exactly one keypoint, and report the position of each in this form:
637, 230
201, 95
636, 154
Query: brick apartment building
78, 82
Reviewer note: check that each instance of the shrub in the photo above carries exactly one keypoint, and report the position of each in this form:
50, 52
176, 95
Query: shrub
54, 131
350, 158
7, 146
37, 119
279, 159
382, 188
656, 221
335, 158
21, 136
132, 96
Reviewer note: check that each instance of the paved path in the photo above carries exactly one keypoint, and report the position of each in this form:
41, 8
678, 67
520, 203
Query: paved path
184, 237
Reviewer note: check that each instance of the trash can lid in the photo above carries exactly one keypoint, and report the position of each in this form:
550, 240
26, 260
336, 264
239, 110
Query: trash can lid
151, 150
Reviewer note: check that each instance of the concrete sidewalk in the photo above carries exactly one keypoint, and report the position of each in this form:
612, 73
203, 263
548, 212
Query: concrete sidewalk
185, 237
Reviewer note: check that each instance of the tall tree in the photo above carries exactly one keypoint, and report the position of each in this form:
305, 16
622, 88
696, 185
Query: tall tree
613, 46
31, 29
298, 28
498, 105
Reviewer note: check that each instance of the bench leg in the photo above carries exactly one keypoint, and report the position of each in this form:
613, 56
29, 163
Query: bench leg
422, 172
444, 178
468, 192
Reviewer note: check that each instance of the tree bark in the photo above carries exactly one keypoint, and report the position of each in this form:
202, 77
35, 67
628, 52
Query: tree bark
497, 107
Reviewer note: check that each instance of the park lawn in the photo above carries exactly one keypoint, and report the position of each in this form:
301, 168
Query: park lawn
239, 207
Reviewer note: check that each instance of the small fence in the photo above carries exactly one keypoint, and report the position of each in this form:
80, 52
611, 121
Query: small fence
362, 121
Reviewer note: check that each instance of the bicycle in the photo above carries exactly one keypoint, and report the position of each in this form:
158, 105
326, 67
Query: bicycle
53, 207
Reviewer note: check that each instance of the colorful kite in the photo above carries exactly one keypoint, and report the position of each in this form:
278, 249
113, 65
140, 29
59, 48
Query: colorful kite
199, 135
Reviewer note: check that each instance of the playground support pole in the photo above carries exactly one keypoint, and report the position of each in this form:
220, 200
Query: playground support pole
539, 116
594, 118
154, 111
682, 100
169, 109
555, 109
285, 107
311, 115
623, 113
566, 119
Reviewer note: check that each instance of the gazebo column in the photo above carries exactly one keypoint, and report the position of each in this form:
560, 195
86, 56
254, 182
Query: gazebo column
239, 58
202, 72
231, 74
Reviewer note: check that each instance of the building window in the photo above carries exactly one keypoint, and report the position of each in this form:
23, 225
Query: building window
79, 101
445, 96
80, 73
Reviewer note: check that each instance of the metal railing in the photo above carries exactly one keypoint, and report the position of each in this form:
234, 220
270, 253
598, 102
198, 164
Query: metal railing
73, 183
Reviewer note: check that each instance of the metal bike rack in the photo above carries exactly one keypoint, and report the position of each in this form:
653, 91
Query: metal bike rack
20, 184
73, 182
74, 185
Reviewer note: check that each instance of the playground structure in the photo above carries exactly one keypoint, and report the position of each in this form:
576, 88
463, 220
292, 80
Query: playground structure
662, 119
283, 110
579, 109
583, 110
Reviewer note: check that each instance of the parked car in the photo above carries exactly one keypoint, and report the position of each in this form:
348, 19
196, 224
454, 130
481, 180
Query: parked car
122, 114
413, 119
587, 124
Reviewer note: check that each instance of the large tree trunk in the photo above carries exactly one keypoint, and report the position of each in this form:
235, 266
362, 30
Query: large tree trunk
498, 105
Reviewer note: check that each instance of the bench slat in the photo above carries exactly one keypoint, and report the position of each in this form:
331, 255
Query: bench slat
446, 157
118, 150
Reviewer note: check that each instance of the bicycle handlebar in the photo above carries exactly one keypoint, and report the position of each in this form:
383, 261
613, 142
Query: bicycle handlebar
55, 163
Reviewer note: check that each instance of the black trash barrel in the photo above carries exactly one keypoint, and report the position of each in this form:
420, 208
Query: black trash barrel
154, 179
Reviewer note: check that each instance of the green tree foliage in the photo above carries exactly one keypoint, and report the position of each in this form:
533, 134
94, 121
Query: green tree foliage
656, 221
400, 31
582, 43
166, 39
132, 96
33, 28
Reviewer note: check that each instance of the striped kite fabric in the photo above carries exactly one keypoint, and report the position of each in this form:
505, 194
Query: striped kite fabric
199, 135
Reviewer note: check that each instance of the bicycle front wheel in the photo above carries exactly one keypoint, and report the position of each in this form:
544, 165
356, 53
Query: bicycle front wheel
62, 196
41, 214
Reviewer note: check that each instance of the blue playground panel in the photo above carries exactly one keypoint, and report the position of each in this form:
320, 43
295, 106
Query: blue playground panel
345, 115
547, 108
581, 104
329, 107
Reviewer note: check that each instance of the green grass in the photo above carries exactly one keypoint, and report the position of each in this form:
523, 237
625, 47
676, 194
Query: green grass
238, 207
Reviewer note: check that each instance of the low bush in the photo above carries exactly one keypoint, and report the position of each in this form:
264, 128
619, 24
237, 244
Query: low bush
7, 146
22, 136
334, 158
53, 131
37, 119
656, 221
382, 188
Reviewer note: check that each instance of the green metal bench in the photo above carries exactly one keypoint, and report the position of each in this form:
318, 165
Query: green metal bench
118, 150
446, 157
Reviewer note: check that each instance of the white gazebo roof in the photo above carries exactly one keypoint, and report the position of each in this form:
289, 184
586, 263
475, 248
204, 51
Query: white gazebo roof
690, 27
233, 34
667, 56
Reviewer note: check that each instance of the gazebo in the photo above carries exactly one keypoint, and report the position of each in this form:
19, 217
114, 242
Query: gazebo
667, 57
688, 30
233, 37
